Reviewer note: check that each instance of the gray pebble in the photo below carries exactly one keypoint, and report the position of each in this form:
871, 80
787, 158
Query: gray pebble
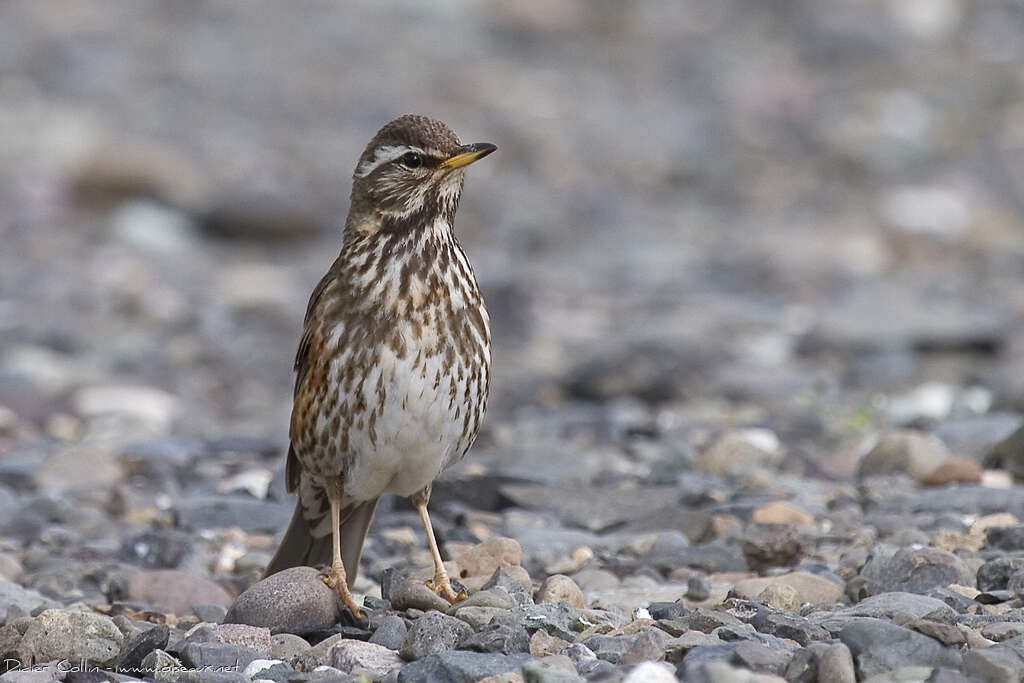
879, 646
390, 632
137, 646
65, 634
414, 594
293, 601
506, 638
375, 660
432, 633
459, 666
222, 656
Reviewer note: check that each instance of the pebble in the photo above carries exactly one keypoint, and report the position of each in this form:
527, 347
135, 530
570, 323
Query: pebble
65, 634
560, 588
390, 632
536, 671
780, 596
288, 646
177, 590
355, 656
497, 637
836, 664
414, 594
292, 601
459, 666
432, 633
136, 646
781, 512
485, 557
909, 451
913, 570
650, 672
879, 646
810, 588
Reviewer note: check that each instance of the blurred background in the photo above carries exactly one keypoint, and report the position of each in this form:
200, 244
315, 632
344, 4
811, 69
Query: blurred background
803, 217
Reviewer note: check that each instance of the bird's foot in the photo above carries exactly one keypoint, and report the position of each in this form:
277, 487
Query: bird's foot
442, 585
334, 577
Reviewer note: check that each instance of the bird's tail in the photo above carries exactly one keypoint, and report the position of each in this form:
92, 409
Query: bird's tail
305, 545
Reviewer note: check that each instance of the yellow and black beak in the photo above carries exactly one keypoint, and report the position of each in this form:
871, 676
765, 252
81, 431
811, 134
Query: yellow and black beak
468, 154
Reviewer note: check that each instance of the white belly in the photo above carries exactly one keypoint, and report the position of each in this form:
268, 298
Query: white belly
416, 432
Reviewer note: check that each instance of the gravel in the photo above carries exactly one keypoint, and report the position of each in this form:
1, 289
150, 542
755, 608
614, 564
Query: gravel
754, 279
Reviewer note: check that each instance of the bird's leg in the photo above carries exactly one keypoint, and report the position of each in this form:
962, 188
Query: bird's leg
440, 584
334, 576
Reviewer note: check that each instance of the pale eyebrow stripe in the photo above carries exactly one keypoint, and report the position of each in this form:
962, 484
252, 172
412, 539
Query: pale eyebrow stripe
383, 155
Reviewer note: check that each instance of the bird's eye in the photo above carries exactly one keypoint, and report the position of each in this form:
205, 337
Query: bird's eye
412, 160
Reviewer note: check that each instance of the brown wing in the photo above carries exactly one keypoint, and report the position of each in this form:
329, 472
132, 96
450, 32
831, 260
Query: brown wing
302, 354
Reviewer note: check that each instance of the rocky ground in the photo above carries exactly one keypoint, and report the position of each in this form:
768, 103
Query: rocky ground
755, 275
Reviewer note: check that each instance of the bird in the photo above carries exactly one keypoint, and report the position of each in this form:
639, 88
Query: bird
392, 371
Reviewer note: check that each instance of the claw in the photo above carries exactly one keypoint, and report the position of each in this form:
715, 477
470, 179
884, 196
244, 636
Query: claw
334, 577
443, 587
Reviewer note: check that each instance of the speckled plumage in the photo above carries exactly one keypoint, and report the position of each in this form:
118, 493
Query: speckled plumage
394, 362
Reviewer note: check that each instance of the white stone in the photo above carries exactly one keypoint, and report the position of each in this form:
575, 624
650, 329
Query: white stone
146, 404
651, 672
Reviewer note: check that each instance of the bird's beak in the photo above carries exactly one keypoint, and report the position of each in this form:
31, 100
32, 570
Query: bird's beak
468, 154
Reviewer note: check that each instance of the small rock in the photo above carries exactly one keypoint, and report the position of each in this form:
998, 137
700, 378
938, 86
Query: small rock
781, 512
760, 657
890, 606
810, 588
269, 670
146, 404
543, 644
64, 634
1002, 630
293, 601
995, 574
879, 646
376, 660
26, 599
560, 588
954, 470
390, 632
478, 617
515, 581
492, 597
318, 655
836, 665
780, 596
739, 452
788, 625
997, 663
432, 633
773, 546
498, 637
458, 666
697, 589
135, 647
253, 637
650, 672
414, 594
1007, 538
176, 590
914, 570
947, 634
649, 645
906, 451
487, 556
288, 646
222, 656
164, 666
537, 671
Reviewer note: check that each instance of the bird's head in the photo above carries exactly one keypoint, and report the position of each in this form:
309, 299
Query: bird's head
410, 174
